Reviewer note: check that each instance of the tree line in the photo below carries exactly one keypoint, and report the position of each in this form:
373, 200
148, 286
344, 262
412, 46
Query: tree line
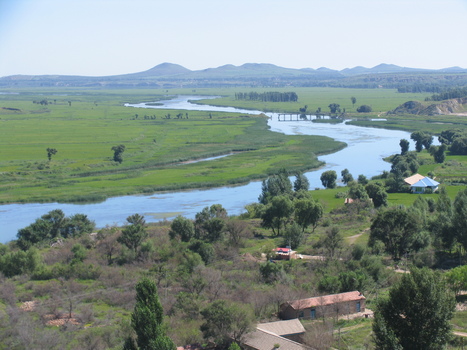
271, 96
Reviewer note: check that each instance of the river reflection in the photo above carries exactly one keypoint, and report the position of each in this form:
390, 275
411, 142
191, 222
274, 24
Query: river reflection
366, 148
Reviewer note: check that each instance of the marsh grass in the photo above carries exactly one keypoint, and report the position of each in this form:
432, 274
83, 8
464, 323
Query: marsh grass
84, 125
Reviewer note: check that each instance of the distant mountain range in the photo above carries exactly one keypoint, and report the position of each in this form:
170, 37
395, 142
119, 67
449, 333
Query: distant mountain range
168, 75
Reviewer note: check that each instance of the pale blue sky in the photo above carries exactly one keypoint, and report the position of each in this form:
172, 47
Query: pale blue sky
106, 37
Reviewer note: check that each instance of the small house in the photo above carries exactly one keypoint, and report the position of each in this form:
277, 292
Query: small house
419, 183
285, 253
323, 306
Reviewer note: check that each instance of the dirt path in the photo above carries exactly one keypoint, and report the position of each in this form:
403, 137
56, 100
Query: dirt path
353, 239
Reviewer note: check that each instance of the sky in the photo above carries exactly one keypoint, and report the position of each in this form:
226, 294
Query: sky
110, 37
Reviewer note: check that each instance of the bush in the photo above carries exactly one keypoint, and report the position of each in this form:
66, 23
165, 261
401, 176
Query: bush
364, 109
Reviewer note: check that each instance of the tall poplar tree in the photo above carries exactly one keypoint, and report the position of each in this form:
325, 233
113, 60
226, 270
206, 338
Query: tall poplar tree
147, 321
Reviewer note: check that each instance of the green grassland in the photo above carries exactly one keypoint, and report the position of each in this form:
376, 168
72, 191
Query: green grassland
85, 129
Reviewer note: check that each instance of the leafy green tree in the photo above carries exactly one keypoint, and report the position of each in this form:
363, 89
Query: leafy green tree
77, 225
308, 212
397, 229
358, 192
334, 108
362, 180
457, 278
354, 101
416, 315
183, 228
328, 179
364, 109
301, 183
377, 192
346, 176
332, 241
277, 213
19, 262
293, 236
118, 153
404, 146
50, 153
459, 222
225, 321
147, 320
421, 139
210, 223
51, 226
438, 153
276, 185
205, 250
134, 233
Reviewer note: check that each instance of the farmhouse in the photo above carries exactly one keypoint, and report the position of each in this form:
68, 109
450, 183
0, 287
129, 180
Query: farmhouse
323, 306
419, 183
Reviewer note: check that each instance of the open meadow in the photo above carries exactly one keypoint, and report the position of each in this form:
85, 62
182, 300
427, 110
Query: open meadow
83, 126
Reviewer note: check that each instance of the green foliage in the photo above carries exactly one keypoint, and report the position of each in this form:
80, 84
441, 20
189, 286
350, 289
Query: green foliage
134, 233
457, 278
421, 139
328, 179
147, 320
50, 153
210, 223
118, 153
276, 185
377, 192
277, 213
397, 229
416, 314
438, 153
346, 176
53, 225
301, 183
19, 262
183, 228
307, 212
293, 236
404, 146
225, 321
364, 109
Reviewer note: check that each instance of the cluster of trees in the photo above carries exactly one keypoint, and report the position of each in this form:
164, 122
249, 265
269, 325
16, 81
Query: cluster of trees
428, 223
416, 314
455, 140
287, 209
53, 226
457, 92
271, 96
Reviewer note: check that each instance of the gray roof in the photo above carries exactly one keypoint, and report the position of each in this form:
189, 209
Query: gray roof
283, 328
264, 340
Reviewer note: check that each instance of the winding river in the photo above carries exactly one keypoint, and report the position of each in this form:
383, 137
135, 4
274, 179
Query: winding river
364, 155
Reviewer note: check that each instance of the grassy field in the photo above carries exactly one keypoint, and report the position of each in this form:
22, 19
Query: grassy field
84, 126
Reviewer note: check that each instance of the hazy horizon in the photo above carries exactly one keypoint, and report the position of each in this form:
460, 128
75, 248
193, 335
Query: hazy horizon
112, 37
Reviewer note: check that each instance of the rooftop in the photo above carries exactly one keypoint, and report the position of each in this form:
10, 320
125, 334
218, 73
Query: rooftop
326, 300
282, 328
